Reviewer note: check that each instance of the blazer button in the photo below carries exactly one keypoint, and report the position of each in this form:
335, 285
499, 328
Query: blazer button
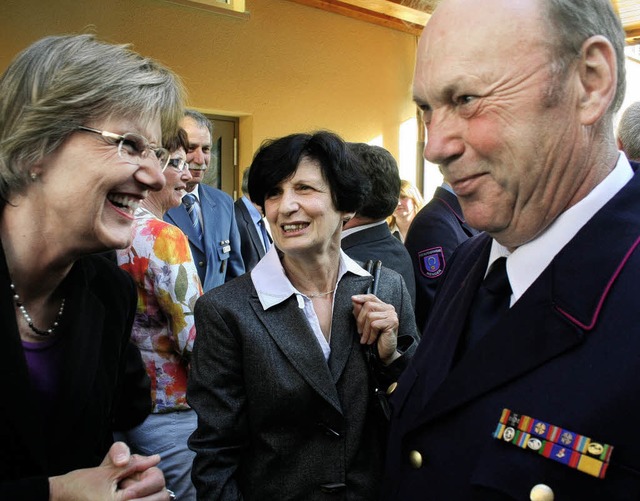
541, 492
392, 388
415, 459
200, 263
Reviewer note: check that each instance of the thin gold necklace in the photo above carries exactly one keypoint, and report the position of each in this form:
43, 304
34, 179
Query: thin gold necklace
320, 294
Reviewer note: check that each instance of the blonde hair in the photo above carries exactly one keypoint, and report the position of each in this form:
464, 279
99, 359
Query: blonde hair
408, 190
61, 82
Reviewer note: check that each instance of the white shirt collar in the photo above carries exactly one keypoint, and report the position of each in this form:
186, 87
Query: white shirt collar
356, 229
253, 212
273, 286
527, 262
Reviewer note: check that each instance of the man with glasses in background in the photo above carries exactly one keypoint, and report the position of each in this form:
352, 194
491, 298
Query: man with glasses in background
207, 215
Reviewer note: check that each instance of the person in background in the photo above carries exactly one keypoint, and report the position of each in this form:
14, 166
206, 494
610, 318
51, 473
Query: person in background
206, 214
279, 378
160, 262
254, 236
435, 233
628, 137
81, 123
366, 235
409, 204
526, 378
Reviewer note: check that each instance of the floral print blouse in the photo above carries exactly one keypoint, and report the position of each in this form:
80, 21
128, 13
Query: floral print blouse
160, 262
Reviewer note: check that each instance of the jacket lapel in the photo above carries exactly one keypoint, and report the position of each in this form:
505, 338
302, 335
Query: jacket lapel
541, 335
555, 315
19, 403
256, 239
83, 343
288, 327
208, 206
178, 216
343, 324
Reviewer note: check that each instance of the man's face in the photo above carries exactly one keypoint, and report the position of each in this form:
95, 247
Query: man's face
512, 157
199, 154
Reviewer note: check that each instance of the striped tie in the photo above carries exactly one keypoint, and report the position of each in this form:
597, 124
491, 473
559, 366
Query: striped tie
193, 209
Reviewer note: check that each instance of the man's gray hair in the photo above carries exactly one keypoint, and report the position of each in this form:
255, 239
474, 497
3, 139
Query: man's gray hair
629, 131
200, 119
573, 22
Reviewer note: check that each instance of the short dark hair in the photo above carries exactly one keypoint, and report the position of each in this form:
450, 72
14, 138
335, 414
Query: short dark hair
278, 159
382, 170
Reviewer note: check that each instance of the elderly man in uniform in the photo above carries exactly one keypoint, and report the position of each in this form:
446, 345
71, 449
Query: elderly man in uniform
526, 381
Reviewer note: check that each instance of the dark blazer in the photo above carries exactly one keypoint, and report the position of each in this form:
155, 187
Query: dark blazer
378, 242
434, 234
218, 259
38, 441
275, 420
250, 241
566, 353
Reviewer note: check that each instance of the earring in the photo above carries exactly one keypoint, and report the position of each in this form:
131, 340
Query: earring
33, 176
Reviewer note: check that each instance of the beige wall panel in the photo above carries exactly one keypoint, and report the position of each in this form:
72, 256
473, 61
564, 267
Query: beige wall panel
285, 68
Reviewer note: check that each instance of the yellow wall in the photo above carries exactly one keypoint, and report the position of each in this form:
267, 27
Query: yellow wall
286, 68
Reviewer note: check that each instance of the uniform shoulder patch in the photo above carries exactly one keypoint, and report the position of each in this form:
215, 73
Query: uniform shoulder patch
431, 262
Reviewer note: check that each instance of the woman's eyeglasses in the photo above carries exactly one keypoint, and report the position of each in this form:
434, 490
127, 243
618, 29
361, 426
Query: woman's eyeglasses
178, 164
133, 148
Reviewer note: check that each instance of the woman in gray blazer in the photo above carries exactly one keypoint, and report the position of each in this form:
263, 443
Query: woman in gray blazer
279, 377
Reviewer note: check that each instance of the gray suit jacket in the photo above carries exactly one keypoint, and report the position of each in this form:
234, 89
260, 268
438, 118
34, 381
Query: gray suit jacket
378, 242
275, 420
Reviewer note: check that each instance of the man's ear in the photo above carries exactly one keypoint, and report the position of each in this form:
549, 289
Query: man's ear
619, 143
598, 78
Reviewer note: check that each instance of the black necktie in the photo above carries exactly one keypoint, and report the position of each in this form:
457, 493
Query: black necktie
489, 304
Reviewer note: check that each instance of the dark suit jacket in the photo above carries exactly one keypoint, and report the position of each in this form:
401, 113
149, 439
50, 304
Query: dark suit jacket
434, 234
218, 259
39, 441
250, 241
275, 420
377, 242
567, 353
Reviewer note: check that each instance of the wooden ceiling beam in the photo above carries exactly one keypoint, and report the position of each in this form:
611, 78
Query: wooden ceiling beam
398, 18
397, 14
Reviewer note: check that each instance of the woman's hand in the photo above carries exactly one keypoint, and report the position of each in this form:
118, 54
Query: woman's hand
121, 477
377, 322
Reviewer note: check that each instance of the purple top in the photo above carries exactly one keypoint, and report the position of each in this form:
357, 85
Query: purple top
43, 361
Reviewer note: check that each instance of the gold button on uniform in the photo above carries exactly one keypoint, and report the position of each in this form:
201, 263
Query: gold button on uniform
392, 388
415, 458
541, 492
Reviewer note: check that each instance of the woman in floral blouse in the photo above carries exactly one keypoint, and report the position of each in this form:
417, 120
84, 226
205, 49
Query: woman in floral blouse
160, 262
